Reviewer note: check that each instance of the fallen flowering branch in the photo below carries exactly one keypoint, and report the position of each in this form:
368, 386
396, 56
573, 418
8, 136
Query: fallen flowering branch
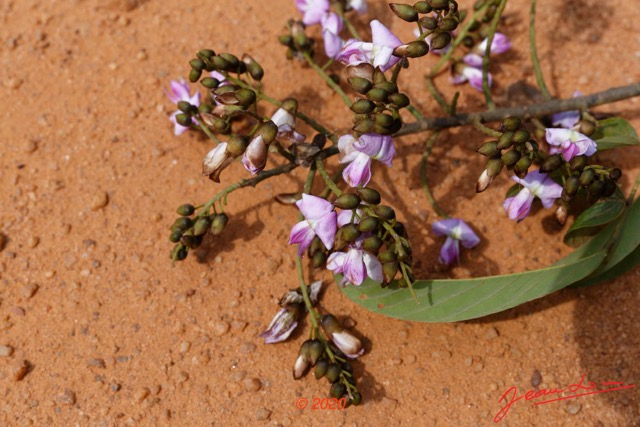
549, 148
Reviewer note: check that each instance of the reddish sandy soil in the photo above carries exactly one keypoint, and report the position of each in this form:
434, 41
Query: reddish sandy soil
90, 177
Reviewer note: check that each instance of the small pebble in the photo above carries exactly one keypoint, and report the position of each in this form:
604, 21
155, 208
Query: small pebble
349, 323
49, 274
238, 325
252, 384
32, 241
536, 378
491, 333
573, 408
247, 348
220, 328
142, 55
13, 83
468, 361
97, 363
182, 377
29, 290
68, 397
410, 359
263, 414
115, 387
238, 376
30, 146
21, 370
99, 200
493, 386
18, 311
6, 350
185, 346
141, 394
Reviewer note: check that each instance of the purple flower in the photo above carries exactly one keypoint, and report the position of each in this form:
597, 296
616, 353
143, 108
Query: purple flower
347, 343
286, 123
456, 231
331, 27
355, 265
313, 10
500, 44
359, 6
570, 143
254, 158
216, 161
359, 154
463, 72
320, 220
283, 324
379, 52
180, 92
567, 119
536, 184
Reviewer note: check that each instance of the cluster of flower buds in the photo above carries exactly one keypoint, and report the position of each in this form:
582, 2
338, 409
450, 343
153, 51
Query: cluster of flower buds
330, 361
297, 41
379, 111
514, 149
441, 17
188, 230
597, 181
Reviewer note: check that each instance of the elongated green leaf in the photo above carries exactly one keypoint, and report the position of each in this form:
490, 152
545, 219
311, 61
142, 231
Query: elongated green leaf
587, 224
455, 300
614, 132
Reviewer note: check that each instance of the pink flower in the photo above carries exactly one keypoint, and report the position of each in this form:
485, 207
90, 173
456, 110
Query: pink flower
567, 119
463, 73
536, 184
379, 52
570, 143
180, 92
359, 6
457, 231
286, 123
320, 219
355, 265
331, 27
313, 10
499, 45
359, 154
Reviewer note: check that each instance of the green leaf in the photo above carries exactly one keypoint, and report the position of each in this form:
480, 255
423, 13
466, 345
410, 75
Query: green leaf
590, 221
614, 132
455, 300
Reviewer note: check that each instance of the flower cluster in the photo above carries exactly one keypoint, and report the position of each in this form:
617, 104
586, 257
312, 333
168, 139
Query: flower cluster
470, 68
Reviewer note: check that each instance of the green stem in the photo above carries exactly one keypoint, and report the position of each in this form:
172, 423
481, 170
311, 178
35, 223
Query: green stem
327, 179
415, 112
207, 131
437, 95
486, 130
333, 85
352, 30
534, 52
487, 52
423, 175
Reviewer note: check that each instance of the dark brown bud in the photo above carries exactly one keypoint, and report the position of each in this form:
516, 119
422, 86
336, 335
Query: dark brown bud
404, 12
333, 372
596, 189
440, 41
255, 69
428, 22
191, 242
360, 84
319, 259
615, 173
321, 368
175, 236
609, 188
337, 390
439, 4
448, 24
587, 127
586, 177
551, 163
578, 163
389, 270
571, 186
330, 324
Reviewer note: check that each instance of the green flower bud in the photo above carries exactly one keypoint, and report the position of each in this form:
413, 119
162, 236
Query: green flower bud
448, 24
369, 195
364, 126
356, 398
360, 84
237, 144
204, 108
218, 223
440, 41
384, 212
383, 120
268, 130
321, 368
184, 119
347, 201
316, 350
571, 185
194, 75
372, 244
290, 105
587, 127
175, 236
186, 210
191, 242
183, 223
531, 146
285, 40
221, 64
586, 177
439, 4
551, 163
389, 270
333, 372
521, 136
511, 124
255, 70
422, 7
400, 100
368, 224
378, 76
414, 49
337, 390
494, 167
522, 166
350, 232
387, 256
510, 158
404, 12
179, 252
428, 22
505, 140
363, 106
319, 259
187, 108
615, 173
201, 226
245, 97
378, 95
197, 64
578, 163
231, 59
402, 252
330, 324
489, 149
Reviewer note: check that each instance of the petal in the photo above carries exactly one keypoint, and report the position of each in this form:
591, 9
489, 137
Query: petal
347, 151
358, 172
565, 119
382, 36
373, 266
354, 267
336, 261
467, 236
325, 228
445, 227
518, 207
303, 234
449, 251
473, 59
557, 136
313, 207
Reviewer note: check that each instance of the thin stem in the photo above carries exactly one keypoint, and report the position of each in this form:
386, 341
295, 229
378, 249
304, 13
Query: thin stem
415, 112
486, 130
207, 131
327, 179
437, 95
487, 53
313, 315
423, 175
524, 112
534, 52
352, 30
333, 85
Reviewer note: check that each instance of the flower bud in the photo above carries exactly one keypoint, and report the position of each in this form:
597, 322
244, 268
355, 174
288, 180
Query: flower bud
439, 4
521, 136
578, 163
347, 201
321, 368
511, 124
561, 213
363, 106
288, 198
368, 224
255, 70
206, 53
586, 177
609, 187
489, 149
337, 390
414, 49
378, 95
356, 398
237, 145
448, 24
245, 97
571, 186
360, 84
184, 119
179, 252
383, 120
428, 22
404, 12
316, 350
364, 70
531, 146
221, 64
194, 75
186, 210
522, 166
303, 361
333, 372
596, 189
216, 161
510, 158
387, 256
369, 195
372, 244
191, 241
384, 212
319, 259
197, 64
505, 140
218, 223
201, 226
492, 169
210, 82
422, 7
378, 76
349, 232
268, 130
440, 41
551, 163
587, 127
400, 100
175, 236
364, 126
182, 224
389, 270
615, 173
